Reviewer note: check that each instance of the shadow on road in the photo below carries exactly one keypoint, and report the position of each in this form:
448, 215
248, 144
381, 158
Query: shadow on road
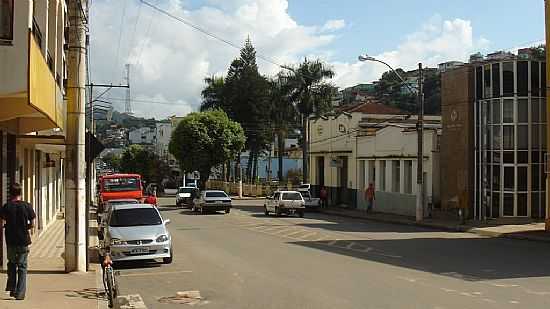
469, 259
125, 265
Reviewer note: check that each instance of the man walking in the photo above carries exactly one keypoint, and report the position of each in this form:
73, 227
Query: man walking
323, 196
369, 196
19, 219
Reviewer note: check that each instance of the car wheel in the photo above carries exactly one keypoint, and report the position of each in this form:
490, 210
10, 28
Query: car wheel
227, 210
301, 213
168, 260
277, 212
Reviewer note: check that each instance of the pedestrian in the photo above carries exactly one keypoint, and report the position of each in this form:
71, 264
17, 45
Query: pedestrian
369, 196
323, 195
18, 216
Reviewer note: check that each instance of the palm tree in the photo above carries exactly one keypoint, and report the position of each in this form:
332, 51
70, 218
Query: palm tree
312, 95
284, 115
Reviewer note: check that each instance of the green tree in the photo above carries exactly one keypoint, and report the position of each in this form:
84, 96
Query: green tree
246, 92
204, 140
213, 94
312, 94
137, 159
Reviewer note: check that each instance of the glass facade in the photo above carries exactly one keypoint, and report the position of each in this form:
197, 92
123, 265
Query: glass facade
510, 115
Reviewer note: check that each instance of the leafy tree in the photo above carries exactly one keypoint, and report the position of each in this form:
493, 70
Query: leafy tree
205, 140
213, 96
312, 94
112, 160
139, 160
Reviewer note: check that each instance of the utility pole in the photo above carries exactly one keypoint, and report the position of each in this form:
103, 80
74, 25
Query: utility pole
547, 86
75, 197
420, 158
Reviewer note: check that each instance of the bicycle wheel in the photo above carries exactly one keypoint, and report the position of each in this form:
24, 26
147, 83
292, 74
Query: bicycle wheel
109, 286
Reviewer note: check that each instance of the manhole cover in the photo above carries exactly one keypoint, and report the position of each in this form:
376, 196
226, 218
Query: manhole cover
185, 297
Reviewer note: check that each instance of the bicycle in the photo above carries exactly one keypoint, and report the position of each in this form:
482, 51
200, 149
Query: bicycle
109, 282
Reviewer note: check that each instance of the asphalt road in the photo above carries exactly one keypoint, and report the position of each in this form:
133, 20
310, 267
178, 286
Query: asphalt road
246, 260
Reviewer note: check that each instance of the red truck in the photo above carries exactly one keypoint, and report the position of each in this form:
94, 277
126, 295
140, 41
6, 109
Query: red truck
122, 186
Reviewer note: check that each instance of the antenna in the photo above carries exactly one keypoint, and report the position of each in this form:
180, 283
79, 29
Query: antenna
128, 99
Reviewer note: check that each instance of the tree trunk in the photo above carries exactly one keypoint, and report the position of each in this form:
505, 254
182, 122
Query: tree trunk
228, 171
255, 168
281, 147
238, 175
305, 150
249, 165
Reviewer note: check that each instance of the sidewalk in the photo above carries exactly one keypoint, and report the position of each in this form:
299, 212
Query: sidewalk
48, 286
528, 231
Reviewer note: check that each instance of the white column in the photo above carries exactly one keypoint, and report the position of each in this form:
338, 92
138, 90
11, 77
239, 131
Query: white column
389, 175
377, 176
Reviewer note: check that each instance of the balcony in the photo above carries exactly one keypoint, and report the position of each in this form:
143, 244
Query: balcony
38, 107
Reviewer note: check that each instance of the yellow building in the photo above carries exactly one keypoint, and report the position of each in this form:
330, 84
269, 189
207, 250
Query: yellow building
32, 106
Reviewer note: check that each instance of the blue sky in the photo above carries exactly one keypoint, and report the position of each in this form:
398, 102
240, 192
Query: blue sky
169, 60
379, 25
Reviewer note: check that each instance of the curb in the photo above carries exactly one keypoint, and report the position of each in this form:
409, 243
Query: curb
455, 228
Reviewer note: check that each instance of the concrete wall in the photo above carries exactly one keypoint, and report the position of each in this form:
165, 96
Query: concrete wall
395, 203
457, 144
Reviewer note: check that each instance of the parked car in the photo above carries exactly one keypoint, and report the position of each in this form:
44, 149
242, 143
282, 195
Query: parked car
285, 202
104, 208
186, 195
137, 232
212, 200
310, 202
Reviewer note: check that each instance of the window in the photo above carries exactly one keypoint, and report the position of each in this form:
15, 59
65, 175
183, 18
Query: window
495, 207
535, 86
522, 77
215, 194
135, 217
523, 111
396, 174
535, 177
6, 21
508, 204
121, 184
497, 137
496, 80
295, 196
523, 137
487, 81
508, 79
508, 137
508, 111
522, 178
479, 82
535, 110
508, 178
408, 176
522, 204
496, 177
382, 175
535, 141
496, 111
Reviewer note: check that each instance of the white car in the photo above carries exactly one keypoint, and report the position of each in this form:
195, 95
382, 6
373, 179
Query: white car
137, 232
185, 196
285, 202
212, 200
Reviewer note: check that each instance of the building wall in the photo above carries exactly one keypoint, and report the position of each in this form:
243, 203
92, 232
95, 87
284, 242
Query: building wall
457, 140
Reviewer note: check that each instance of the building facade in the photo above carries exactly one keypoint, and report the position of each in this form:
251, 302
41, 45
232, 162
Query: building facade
510, 117
496, 107
373, 143
33, 115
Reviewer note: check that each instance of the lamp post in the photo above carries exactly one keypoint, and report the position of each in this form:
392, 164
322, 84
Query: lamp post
420, 196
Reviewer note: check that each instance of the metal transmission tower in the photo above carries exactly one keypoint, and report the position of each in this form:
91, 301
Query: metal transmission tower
128, 99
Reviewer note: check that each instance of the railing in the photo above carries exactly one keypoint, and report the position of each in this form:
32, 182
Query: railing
252, 190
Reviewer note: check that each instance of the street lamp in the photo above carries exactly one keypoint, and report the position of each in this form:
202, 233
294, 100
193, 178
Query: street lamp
419, 129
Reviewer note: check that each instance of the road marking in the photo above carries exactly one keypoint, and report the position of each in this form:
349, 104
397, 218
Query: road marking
156, 274
295, 233
308, 235
505, 285
489, 300
514, 302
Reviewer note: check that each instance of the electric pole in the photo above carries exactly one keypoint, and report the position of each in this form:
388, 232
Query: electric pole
420, 158
75, 197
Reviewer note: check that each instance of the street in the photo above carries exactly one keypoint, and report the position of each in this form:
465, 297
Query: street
247, 260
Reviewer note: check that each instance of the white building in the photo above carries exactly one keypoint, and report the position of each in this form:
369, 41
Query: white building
163, 132
142, 136
373, 143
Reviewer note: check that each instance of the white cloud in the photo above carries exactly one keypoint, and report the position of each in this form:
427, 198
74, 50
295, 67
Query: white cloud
170, 60
437, 41
333, 24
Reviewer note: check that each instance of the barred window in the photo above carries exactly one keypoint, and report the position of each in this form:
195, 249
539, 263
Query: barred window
6, 21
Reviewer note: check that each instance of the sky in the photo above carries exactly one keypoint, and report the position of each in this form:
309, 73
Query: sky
169, 59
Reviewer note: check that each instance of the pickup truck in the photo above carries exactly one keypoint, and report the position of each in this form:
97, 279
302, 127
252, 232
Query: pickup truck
285, 202
310, 202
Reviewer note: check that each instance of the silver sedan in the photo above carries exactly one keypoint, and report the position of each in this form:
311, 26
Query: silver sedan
137, 232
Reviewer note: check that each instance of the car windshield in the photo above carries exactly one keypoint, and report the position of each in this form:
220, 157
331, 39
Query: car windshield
216, 194
123, 202
135, 217
292, 196
121, 184
185, 190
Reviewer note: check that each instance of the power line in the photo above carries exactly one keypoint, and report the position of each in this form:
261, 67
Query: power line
206, 32
134, 32
138, 59
145, 101
120, 35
